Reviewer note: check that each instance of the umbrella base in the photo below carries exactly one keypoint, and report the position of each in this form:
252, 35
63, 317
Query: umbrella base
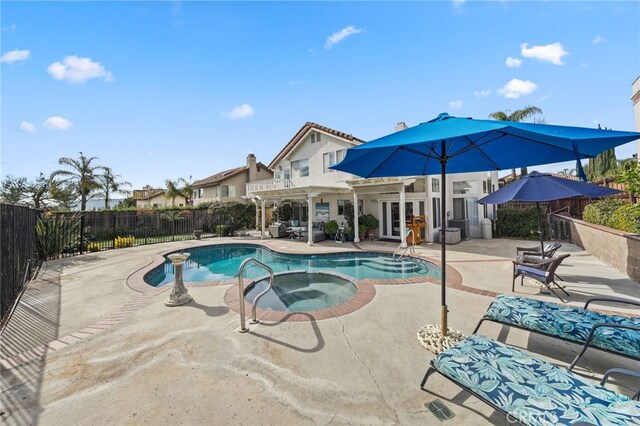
430, 336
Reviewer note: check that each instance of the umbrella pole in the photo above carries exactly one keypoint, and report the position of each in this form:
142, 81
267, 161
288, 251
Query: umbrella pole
443, 248
540, 230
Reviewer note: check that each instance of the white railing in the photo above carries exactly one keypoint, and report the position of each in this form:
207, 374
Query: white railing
268, 185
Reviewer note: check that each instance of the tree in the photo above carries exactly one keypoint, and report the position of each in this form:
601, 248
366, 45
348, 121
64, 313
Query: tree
40, 191
177, 188
65, 194
567, 172
519, 115
109, 185
13, 190
83, 175
599, 166
127, 203
630, 176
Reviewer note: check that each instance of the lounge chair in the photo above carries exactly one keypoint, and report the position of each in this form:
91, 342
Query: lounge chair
278, 230
612, 333
543, 271
528, 390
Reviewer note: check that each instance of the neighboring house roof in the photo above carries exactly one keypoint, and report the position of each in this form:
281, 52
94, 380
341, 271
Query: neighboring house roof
145, 194
303, 132
222, 176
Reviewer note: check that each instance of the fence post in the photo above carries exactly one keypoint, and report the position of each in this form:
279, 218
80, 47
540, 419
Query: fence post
173, 228
114, 230
81, 234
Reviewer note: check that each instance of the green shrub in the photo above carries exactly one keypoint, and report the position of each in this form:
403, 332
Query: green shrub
601, 212
331, 227
518, 223
627, 218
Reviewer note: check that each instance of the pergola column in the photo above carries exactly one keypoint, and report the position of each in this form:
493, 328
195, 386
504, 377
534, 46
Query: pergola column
310, 216
263, 216
403, 218
356, 224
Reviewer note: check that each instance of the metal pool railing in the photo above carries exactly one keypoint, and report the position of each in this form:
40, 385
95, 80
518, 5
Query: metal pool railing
243, 328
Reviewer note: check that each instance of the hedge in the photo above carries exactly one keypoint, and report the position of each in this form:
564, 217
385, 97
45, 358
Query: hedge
518, 223
615, 214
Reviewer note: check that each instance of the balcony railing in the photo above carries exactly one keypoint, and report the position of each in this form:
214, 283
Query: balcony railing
268, 185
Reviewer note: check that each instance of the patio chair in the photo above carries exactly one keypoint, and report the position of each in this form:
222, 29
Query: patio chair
543, 271
532, 255
528, 390
548, 251
611, 333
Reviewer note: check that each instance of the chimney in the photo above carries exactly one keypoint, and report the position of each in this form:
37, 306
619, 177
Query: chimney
400, 126
253, 169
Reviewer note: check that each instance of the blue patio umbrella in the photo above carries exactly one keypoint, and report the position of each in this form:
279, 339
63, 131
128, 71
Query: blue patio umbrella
455, 145
539, 187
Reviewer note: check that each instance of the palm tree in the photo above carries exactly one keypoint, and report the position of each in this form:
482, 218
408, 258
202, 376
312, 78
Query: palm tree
109, 185
178, 188
83, 175
518, 115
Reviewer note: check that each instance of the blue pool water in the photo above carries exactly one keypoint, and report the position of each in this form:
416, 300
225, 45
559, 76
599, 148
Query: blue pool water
302, 292
221, 262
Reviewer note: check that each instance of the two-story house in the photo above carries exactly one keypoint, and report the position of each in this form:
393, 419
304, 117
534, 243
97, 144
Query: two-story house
149, 197
316, 193
230, 185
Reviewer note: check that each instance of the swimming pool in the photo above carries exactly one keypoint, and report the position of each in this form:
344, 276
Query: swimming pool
221, 262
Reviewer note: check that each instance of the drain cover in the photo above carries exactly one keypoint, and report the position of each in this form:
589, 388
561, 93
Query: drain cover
440, 410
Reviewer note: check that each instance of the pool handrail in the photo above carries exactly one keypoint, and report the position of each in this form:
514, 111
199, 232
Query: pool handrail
407, 247
243, 328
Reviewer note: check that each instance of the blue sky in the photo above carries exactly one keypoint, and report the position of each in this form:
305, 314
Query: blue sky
162, 90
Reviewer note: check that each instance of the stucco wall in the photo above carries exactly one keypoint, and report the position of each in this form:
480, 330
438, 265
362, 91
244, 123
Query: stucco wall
616, 248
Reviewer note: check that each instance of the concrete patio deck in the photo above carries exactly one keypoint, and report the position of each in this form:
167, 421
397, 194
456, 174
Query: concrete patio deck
84, 348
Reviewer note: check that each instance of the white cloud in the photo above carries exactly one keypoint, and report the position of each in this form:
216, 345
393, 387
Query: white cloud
482, 93
78, 70
27, 127
337, 37
584, 64
513, 62
456, 104
515, 88
598, 39
15, 56
458, 3
57, 123
552, 53
240, 112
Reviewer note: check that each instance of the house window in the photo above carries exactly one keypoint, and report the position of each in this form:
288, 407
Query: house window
300, 168
340, 155
315, 137
464, 187
436, 212
286, 174
341, 206
277, 174
329, 159
228, 190
435, 185
216, 191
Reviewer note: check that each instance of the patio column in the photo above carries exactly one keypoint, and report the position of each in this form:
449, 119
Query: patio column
310, 219
255, 201
356, 224
263, 216
403, 218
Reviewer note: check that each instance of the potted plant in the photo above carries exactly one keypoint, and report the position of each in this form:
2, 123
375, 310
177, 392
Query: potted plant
197, 233
330, 228
367, 225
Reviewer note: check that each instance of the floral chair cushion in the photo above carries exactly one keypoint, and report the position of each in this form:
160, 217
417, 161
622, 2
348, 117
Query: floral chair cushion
566, 322
532, 391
